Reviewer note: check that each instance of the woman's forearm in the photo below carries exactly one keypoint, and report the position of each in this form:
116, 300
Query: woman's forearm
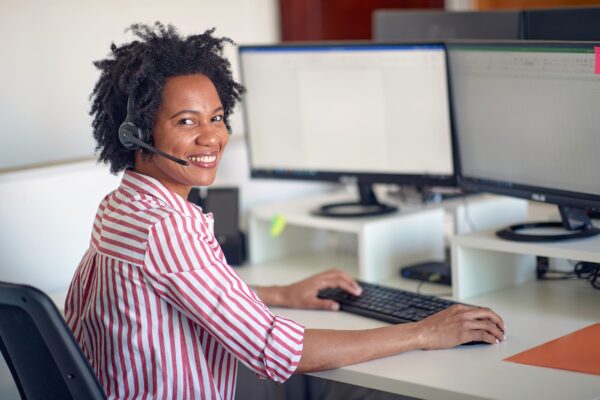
270, 295
328, 349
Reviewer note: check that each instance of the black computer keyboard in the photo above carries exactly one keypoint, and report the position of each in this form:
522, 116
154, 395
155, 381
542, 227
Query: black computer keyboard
387, 304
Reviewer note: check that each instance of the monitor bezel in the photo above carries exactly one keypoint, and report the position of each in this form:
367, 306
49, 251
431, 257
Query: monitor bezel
561, 198
449, 180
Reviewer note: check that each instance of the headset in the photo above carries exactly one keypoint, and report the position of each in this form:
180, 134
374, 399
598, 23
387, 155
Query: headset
133, 137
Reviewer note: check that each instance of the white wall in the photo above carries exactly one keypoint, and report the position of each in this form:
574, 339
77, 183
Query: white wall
47, 53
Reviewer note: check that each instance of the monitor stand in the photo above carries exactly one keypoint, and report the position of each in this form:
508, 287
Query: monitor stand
366, 207
575, 220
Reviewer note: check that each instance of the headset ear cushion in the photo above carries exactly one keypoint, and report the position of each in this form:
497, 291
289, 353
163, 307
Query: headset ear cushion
128, 131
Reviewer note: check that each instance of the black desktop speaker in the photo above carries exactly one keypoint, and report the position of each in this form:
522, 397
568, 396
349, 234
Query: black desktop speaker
223, 203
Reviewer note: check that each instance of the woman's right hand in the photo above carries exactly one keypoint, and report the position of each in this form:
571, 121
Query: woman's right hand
460, 324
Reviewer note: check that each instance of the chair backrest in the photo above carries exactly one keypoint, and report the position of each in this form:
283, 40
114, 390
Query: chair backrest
39, 349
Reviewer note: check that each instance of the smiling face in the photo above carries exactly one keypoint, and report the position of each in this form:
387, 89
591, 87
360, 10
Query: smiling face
190, 125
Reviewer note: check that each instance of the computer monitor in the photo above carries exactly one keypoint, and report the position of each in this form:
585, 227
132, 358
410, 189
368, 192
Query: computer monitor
364, 113
437, 25
527, 125
580, 23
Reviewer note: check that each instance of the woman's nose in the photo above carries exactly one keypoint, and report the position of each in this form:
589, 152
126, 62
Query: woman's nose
207, 135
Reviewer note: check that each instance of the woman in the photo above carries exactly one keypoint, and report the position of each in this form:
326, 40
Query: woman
153, 303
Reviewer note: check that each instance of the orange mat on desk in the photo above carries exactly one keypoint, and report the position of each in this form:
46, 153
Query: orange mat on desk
578, 351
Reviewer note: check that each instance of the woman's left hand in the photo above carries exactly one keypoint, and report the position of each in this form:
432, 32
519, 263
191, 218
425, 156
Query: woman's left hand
303, 294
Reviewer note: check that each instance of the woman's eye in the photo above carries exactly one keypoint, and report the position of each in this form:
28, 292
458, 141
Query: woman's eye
185, 121
217, 118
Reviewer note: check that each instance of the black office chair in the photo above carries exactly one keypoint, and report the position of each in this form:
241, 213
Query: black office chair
39, 349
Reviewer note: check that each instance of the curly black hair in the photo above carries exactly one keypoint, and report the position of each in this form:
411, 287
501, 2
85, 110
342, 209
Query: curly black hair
139, 69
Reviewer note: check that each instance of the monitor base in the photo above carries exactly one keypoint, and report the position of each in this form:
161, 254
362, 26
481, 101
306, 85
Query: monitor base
368, 206
512, 232
575, 220
351, 210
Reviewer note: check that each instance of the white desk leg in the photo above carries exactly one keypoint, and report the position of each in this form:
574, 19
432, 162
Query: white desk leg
387, 245
476, 271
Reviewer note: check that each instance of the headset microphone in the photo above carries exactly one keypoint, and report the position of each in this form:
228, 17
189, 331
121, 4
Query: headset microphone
132, 137
127, 137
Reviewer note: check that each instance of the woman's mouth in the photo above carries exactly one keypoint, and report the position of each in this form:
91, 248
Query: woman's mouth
204, 161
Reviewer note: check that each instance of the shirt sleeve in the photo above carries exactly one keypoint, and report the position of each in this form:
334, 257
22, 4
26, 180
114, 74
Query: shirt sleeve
185, 267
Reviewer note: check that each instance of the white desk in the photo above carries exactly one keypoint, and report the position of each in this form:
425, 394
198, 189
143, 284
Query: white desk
535, 312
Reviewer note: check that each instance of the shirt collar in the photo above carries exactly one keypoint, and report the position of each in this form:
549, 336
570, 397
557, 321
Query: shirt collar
145, 184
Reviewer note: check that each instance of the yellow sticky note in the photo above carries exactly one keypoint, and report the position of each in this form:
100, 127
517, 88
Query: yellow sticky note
277, 225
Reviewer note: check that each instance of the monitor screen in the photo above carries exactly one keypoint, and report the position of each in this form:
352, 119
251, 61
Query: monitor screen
526, 119
374, 113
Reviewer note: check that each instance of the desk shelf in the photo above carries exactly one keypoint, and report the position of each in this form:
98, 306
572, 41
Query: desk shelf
380, 245
482, 262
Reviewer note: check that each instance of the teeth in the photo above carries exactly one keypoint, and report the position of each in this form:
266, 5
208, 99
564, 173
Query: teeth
204, 159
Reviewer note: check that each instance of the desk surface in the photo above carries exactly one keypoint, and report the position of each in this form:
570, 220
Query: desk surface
534, 313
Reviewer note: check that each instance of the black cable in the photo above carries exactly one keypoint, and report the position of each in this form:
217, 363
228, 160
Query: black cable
589, 271
581, 270
419, 286
544, 272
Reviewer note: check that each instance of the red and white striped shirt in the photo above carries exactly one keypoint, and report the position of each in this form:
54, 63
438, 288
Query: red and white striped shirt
157, 310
